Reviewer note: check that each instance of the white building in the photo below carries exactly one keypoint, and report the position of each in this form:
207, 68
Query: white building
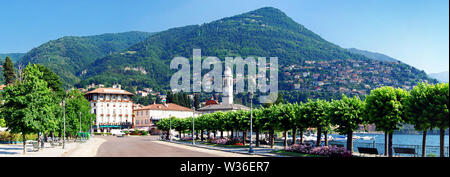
113, 108
147, 116
227, 98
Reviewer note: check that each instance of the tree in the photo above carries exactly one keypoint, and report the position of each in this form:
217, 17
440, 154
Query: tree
426, 108
258, 124
230, 122
441, 120
301, 121
28, 105
385, 108
347, 115
76, 103
163, 125
219, 123
8, 71
2, 122
243, 122
270, 122
53, 81
316, 113
286, 118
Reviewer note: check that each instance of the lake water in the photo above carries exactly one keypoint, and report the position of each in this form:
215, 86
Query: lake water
401, 140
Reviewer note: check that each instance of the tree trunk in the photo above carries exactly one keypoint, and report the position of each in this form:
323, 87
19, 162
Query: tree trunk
442, 143
209, 136
285, 139
214, 134
390, 144
294, 136
221, 133
271, 138
232, 134
319, 135
201, 135
301, 136
196, 135
244, 138
24, 144
385, 143
167, 137
257, 138
424, 143
326, 137
350, 141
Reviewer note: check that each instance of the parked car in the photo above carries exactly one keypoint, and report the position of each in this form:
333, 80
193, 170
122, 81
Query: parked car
117, 132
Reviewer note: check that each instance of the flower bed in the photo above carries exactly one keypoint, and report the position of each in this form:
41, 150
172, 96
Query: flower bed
186, 139
329, 151
226, 141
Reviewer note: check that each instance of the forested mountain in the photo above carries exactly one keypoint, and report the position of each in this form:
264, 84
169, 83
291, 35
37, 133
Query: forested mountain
67, 56
307, 62
373, 55
309, 66
265, 32
13, 56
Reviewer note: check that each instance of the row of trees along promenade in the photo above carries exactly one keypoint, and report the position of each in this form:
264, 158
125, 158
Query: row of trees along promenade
425, 107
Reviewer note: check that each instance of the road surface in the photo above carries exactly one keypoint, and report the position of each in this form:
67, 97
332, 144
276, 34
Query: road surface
149, 146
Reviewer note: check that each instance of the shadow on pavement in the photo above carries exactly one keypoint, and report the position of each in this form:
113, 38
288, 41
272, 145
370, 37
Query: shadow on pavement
6, 152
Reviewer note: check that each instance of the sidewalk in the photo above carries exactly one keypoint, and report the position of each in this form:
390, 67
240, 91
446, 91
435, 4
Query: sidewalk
261, 151
76, 149
87, 149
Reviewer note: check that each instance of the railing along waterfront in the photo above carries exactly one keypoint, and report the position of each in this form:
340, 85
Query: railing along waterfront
380, 147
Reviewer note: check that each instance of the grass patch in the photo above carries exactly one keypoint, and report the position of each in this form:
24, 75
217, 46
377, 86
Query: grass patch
216, 145
294, 154
225, 146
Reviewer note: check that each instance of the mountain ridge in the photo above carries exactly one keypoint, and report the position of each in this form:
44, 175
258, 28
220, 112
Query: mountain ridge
441, 76
373, 55
68, 55
262, 32
307, 62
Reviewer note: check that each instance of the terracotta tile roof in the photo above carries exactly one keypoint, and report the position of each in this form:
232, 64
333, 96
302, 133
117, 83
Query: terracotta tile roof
217, 107
110, 91
169, 106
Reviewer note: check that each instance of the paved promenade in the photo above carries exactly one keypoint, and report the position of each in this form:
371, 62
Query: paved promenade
257, 152
75, 149
150, 146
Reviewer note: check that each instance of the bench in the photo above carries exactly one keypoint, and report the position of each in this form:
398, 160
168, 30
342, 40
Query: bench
339, 145
364, 150
35, 146
399, 150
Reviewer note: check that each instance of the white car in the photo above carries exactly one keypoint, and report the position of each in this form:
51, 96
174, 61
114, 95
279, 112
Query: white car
117, 132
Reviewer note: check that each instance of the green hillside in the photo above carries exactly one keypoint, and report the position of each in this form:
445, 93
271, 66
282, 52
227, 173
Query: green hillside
264, 32
68, 56
14, 56
373, 55
309, 66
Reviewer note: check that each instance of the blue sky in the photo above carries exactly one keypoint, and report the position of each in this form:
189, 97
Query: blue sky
413, 31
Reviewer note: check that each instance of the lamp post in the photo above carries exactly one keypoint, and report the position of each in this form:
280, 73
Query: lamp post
193, 138
251, 120
90, 121
80, 125
64, 118
193, 109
